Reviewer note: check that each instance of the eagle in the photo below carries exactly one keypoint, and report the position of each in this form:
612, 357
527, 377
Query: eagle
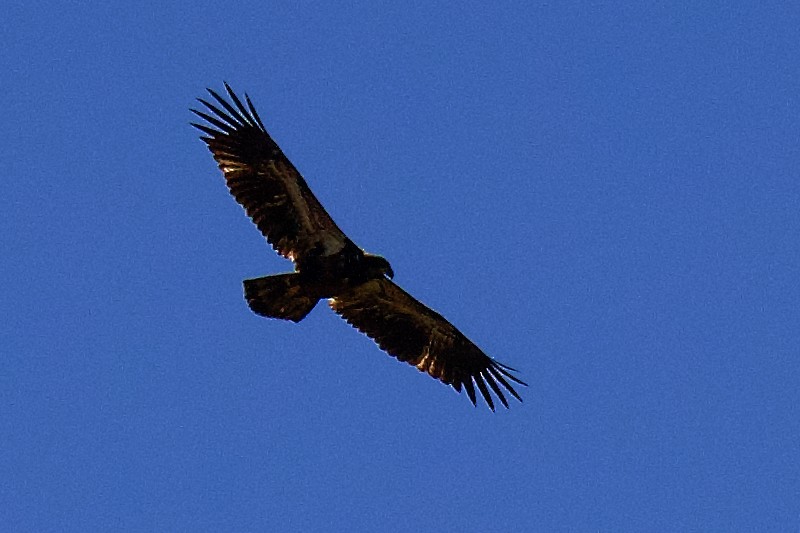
327, 264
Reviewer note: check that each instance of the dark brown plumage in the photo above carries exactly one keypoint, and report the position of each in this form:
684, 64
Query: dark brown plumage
329, 265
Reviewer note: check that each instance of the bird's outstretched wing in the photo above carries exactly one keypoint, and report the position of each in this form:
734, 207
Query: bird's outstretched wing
406, 329
264, 181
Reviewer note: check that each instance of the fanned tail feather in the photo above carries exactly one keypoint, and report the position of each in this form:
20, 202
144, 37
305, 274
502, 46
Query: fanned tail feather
282, 296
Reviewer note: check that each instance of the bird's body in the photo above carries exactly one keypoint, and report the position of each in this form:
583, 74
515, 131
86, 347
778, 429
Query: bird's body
328, 264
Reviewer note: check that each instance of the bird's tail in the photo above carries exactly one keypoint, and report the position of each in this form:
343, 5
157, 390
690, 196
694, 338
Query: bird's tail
282, 296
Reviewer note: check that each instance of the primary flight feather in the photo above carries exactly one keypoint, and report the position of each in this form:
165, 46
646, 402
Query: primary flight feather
328, 264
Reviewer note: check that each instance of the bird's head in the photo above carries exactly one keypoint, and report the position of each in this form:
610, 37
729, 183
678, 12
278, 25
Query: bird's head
379, 265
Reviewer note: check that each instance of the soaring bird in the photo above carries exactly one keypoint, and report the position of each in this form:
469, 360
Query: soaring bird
327, 264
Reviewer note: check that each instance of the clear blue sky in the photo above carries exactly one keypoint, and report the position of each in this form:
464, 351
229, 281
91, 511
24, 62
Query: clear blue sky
604, 197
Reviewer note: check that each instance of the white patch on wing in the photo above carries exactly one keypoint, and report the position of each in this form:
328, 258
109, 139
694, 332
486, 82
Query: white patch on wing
426, 356
333, 303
